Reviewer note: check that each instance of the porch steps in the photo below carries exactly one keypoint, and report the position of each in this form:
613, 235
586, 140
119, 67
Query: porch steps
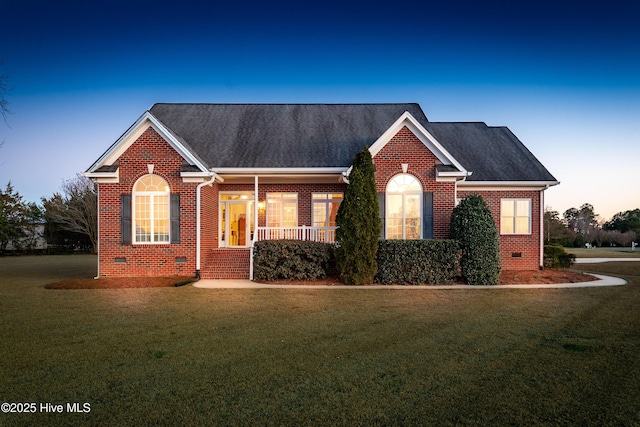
226, 264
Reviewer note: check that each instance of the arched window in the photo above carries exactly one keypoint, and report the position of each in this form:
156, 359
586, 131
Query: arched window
404, 207
151, 222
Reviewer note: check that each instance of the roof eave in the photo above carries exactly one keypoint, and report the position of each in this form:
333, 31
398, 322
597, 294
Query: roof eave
126, 139
508, 185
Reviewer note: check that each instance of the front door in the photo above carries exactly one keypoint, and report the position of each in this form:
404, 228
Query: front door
236, 221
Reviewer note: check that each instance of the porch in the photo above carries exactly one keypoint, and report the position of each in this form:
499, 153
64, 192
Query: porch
237, 263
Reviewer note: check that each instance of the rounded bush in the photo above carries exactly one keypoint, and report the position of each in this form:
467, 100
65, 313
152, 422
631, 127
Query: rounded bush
473, 226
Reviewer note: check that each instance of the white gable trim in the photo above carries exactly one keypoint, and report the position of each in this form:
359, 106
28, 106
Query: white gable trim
127, 139
407, 119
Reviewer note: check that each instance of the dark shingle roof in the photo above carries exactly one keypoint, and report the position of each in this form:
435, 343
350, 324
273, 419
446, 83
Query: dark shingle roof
329, 135
280, 135
491, 153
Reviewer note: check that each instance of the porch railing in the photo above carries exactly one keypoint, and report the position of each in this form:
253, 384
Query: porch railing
304, 232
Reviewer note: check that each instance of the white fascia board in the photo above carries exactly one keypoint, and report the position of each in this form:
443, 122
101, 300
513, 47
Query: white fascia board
506, 185
199, 176
104, 177
280, 171
455, 174
407, 119
133, 133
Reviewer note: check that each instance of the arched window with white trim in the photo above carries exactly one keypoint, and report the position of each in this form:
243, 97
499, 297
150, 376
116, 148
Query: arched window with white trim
151, 210
404, 207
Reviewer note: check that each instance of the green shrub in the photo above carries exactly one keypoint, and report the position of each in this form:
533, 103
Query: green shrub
359, 225
473, 226
557, 257
292, 259
417, 262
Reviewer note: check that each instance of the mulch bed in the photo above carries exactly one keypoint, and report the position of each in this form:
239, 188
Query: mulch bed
508, 277
122, 282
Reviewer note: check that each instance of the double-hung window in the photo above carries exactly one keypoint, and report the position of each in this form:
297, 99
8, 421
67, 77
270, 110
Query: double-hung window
325, 210
151, 221
515, 216
282, 215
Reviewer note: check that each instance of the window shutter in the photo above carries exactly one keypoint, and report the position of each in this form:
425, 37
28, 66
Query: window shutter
125, 218
427, 215
174, 214
381, 206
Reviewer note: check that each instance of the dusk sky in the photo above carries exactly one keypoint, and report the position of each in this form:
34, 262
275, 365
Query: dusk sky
564, 76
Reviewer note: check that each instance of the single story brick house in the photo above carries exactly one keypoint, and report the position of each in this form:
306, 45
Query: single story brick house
188, 188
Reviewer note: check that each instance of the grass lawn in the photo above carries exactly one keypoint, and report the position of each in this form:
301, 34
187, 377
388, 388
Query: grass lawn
317, 356
604, 252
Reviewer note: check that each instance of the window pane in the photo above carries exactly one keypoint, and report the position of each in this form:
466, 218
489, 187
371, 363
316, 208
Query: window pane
507, 208
522, 225
161, 231
290, 214
506, 225
319, 214
522, 207
394, 206
394, 228
333, 212
143, 231
273, 213
412, 230
412, 206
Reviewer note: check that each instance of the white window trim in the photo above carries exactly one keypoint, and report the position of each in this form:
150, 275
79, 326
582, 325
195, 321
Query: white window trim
404, 210
152, 195
282, 199
515, 216
325, 201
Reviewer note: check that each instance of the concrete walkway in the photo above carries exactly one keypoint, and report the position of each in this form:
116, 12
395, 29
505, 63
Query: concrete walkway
248, 284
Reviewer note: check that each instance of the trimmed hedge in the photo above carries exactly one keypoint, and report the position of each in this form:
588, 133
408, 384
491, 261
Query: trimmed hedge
417, 262
292, 259
557, 257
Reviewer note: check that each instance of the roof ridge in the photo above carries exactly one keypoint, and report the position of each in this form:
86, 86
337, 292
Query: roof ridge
285, 103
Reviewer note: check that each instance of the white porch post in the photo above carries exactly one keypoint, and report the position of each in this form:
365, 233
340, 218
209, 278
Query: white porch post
198, 231
255, 205
255, 224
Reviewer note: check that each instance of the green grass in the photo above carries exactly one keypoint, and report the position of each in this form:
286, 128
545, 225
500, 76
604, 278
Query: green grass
317, 356
604, 252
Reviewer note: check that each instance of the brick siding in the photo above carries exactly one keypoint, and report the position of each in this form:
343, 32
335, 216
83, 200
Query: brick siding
405, 147
518, 251
146, 259
117, 259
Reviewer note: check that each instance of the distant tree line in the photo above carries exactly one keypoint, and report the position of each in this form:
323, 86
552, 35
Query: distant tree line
580, 226
66, 221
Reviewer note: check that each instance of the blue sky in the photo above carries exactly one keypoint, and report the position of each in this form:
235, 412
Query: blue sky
564, 76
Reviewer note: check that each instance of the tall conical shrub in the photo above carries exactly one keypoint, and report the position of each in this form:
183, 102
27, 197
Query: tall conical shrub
473, 226
358, 224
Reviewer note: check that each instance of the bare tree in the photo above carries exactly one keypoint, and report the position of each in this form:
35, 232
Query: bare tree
75, 208
4, 89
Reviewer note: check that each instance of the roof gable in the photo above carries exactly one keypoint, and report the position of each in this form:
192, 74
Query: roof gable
144, 122
407, 119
